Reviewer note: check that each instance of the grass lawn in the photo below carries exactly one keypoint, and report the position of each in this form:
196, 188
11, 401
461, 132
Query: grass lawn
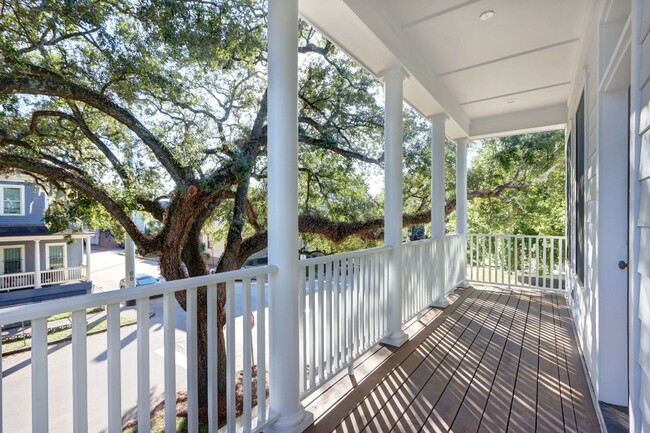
93, 328
69, 315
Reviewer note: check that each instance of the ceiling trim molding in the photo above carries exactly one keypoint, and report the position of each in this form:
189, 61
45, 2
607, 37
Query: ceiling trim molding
394, 40
542, 119
439, 14
521, 92
512, 56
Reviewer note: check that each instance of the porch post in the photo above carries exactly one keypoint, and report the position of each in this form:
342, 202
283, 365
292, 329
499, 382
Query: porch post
284, 362
129, 263
88, 252
438, 204
37, 264
461, 198
461, 186
393, 202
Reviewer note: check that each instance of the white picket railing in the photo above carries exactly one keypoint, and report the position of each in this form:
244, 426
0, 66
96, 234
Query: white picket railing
516, 260
41, 395
455, 260
16, 281
343, 312
63, 275
419, 283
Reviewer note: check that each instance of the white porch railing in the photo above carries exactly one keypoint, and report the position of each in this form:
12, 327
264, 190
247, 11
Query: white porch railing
455, 260
420, 283
41, 395
343, 312
16, 281
53, 276
516, 260
63, 275
419, 286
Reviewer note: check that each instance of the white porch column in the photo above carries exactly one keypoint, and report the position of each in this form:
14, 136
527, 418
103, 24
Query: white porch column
284, 363
461, 197
88, 252
461, 186
37, 264
438, 202
393, 202
129, 263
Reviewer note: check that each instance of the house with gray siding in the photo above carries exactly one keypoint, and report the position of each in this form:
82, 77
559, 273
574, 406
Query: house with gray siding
36, 265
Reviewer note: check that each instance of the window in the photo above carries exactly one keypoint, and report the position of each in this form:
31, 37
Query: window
56, 256
13, 259
580, 192
12, 198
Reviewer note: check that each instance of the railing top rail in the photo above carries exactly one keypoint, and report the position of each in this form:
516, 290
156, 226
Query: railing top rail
82, 302
516, 236
455, 235
419, 242
346, 255
16, 274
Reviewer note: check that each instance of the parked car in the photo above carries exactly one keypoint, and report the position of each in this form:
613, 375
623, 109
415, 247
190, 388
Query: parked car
141, 280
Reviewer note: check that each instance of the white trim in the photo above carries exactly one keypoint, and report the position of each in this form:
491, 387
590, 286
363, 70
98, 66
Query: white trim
54, 236
2, 199
2, 257
47, 254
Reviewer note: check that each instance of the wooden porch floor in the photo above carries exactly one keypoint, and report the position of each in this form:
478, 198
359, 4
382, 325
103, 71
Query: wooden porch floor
495, 360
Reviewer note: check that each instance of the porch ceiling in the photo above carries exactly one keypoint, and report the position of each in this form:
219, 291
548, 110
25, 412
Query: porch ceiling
509, 74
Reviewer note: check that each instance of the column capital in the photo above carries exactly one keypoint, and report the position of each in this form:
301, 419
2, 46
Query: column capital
394, 72
438, 118
461, 140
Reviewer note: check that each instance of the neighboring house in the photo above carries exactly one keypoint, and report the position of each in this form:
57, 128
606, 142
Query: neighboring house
34, 264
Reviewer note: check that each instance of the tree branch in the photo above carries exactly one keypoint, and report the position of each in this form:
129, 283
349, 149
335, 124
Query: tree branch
42, 82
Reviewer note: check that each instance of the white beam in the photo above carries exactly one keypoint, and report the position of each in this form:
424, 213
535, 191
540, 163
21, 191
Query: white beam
438, 175
542, 119
461, 186
37, 264
129, 263
393, 202
284, 365
438, 203
88, 256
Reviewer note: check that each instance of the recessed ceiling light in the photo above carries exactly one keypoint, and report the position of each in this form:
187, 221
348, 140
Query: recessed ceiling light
486, 15
511, 101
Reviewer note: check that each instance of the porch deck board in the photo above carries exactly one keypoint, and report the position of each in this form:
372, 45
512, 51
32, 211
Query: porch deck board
495, 360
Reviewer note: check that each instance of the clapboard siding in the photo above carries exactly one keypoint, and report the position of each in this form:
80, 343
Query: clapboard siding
644, 224
34, 205
585, 302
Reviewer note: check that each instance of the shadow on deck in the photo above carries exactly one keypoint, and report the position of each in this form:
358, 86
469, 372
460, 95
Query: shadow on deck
495, 360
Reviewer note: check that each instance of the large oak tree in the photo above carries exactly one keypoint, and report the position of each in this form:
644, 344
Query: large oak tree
121, 104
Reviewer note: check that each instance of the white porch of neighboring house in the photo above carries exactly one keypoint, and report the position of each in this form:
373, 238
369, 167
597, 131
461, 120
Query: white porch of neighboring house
475, 69
34, 266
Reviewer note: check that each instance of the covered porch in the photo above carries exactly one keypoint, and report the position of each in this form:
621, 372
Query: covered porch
354, 341
494, 360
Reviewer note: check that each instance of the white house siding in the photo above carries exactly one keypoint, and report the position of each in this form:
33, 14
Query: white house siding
585, 294
643, 222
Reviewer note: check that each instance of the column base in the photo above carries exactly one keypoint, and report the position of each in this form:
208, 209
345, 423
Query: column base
396, 339
463, 284
294, 424
441, 302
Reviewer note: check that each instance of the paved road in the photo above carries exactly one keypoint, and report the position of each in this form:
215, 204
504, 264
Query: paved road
16, 369
108, 268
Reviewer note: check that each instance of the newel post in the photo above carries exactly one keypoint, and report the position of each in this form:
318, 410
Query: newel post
393, 202
284, 361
